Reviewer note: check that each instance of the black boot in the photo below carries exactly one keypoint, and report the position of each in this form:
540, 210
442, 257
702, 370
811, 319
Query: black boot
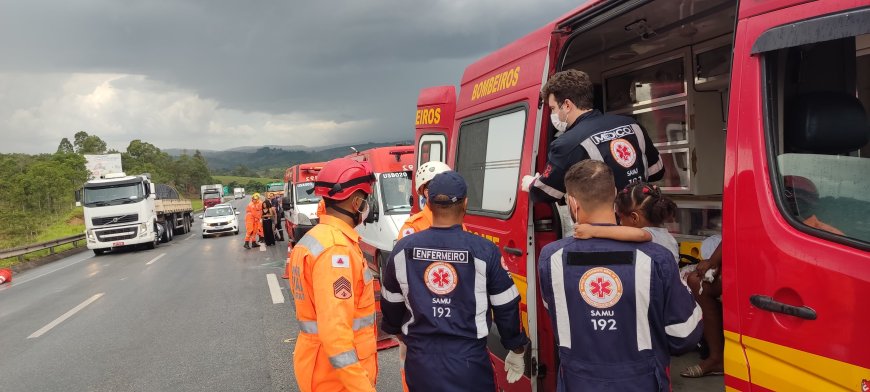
247, 246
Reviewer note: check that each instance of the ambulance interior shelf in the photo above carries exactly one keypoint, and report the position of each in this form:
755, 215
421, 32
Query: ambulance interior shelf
674, 82
685, 124
696, 219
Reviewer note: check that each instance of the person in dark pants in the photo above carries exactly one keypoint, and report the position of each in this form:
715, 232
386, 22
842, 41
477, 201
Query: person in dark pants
442, 289
279, 215
268, 226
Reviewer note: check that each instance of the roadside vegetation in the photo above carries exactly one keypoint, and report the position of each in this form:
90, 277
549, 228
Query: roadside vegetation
37, 192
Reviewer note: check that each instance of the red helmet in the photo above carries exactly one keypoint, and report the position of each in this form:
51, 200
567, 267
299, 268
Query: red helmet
341, 177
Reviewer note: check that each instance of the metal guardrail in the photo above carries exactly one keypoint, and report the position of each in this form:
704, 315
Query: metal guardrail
50, 245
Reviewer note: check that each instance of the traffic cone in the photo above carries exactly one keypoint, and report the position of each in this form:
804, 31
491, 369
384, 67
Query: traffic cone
286, 268
5, 275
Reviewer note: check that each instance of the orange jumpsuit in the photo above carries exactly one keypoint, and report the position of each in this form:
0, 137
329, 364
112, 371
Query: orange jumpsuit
335, 306
321, 208
253, 220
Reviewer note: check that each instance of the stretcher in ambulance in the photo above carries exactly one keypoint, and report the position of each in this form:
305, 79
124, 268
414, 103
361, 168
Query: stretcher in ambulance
740, 99
300, 202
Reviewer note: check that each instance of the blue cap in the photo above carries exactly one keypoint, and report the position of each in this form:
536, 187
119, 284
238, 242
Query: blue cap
449, 184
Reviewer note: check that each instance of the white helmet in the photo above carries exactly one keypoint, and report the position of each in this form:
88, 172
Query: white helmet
427, 171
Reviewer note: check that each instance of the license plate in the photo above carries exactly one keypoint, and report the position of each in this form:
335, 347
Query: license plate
118, 243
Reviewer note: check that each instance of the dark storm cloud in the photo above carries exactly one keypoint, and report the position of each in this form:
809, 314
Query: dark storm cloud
339, 61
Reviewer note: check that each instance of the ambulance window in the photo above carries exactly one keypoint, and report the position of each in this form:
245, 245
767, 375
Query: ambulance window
431, 148
431, 151
488, 157
817, 100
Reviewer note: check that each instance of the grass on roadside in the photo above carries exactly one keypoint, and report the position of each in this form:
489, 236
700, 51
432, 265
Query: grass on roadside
71, 224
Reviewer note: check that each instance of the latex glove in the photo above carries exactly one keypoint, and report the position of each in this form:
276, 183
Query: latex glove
528, 180
515, 365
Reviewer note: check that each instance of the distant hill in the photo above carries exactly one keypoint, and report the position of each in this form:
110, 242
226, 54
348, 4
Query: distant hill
271, 157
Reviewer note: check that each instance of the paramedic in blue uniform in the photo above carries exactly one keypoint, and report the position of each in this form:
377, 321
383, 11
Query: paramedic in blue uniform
618, 309
442, 288
586, 133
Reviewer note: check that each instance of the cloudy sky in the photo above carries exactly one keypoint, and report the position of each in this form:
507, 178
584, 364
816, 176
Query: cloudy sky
217, 74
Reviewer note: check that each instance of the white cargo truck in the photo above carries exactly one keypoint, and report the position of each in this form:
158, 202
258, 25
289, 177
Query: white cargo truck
122, 211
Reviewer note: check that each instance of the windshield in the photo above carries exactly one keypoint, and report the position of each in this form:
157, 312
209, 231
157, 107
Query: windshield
396, 192
95, 196
214, 195
302, 195
222, 211
275, 187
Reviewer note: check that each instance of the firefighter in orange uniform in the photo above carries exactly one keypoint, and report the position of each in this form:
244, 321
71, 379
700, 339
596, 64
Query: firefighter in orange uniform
423, 219
333, 288
253, 221
321, 208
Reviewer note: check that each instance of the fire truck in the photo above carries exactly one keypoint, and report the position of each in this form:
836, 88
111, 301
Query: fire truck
741, 99
300, 202
390, 201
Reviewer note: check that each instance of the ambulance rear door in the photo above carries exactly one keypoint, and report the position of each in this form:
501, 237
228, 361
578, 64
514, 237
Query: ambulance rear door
492, 146
436, 108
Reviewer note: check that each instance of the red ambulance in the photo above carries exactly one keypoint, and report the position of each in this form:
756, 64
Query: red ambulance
300, 206
759, 110
390, 201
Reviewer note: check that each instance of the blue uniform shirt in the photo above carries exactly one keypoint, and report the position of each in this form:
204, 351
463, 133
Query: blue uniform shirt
443, 282
441, 289
615, 140
618, 311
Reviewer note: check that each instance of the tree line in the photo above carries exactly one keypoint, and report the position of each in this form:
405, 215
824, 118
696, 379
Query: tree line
37, 191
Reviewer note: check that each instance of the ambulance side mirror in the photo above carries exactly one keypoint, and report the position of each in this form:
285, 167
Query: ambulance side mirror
373, 210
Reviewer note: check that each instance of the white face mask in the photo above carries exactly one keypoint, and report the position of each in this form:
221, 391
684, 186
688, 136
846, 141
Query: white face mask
560, 125
365, 211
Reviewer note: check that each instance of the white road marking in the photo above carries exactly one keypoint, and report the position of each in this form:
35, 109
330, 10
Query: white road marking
64, 316
91, 275
17, 283
155, 259
275, 289
124, 278
189, 237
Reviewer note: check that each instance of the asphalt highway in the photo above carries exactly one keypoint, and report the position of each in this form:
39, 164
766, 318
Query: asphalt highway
194, 314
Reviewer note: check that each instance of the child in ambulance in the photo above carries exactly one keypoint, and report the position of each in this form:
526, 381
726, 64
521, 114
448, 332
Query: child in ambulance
642, 211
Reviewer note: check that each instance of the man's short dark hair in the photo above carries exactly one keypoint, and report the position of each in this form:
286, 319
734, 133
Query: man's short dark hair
571, 84
452, 209
591, 183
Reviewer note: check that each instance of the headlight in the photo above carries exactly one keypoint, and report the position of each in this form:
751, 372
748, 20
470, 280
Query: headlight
143, 230
303, 220
91, 236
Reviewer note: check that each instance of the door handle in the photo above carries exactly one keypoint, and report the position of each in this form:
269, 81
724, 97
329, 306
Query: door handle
513, 251
764, 302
